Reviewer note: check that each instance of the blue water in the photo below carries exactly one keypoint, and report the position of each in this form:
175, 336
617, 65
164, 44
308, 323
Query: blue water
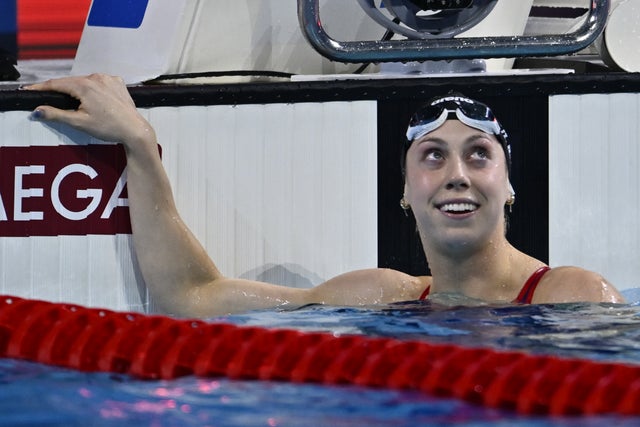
37, 395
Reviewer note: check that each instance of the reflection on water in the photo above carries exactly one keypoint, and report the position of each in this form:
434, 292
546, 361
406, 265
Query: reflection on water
608, 332
33, 394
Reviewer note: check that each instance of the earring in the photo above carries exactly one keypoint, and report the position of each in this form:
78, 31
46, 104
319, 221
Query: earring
511, 201
405, 205
512, 197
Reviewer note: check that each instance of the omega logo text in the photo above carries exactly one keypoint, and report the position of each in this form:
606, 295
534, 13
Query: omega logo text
63, 190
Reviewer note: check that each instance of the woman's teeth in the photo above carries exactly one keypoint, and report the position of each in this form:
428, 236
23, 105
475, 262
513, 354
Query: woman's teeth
458, 207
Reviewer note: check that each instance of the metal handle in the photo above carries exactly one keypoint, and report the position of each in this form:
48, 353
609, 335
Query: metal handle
450, 48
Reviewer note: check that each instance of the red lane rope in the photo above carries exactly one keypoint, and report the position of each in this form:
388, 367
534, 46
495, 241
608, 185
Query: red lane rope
159, 347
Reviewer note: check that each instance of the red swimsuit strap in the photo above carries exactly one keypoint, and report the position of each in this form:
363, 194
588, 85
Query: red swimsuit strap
425, 293
526, 293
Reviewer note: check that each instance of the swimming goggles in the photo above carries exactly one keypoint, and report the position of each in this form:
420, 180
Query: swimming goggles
472, 113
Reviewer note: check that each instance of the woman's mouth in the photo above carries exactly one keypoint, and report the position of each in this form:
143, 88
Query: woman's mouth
458, 207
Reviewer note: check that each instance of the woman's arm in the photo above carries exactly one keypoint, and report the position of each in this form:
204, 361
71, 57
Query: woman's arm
171, 259
179, 273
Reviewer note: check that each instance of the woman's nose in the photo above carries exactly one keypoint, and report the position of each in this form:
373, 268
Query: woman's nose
458, 178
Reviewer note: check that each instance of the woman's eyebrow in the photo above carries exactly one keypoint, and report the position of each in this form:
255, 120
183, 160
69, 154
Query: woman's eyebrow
481, 135
431, 139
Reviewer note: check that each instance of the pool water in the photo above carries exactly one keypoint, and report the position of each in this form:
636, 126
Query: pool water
37, 395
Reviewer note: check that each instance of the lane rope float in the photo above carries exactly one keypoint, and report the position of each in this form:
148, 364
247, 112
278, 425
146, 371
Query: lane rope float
160, 347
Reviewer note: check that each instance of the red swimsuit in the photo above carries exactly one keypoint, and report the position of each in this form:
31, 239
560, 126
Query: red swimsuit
526, 293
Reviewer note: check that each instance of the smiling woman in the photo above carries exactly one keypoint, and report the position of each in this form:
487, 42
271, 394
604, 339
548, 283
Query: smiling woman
461, 173
457, 182
457, 185
456, 164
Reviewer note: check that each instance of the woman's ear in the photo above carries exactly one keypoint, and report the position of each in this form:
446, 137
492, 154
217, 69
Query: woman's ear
512, 196
404, 203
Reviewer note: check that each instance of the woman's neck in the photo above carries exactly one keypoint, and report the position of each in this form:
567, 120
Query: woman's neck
494, 272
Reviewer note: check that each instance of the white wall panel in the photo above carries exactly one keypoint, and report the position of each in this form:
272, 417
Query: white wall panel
594, 163
79, 269
279, 192
284, 193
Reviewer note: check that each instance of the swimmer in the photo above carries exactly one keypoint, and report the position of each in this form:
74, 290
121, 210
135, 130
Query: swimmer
456, 170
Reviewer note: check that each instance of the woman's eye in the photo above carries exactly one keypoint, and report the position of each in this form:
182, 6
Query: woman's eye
480, 153
433, 155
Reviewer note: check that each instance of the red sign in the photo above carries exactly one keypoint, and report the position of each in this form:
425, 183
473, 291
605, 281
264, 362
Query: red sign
63, 190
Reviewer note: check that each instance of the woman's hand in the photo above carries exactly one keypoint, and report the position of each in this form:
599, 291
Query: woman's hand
106, 109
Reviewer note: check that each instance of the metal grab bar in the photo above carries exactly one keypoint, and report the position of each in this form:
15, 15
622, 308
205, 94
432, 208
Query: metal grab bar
450, 48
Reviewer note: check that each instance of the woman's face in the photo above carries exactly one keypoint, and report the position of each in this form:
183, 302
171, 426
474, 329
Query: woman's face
457, 185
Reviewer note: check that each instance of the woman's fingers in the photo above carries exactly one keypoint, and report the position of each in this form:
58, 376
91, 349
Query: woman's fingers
106, 109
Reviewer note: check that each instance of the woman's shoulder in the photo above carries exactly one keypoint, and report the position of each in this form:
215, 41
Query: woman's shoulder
575, 284
371, 286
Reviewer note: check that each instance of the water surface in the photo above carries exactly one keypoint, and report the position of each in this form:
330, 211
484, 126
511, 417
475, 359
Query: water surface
37, 395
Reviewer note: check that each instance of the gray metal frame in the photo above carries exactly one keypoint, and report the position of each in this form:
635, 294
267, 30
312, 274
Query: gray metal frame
449, 48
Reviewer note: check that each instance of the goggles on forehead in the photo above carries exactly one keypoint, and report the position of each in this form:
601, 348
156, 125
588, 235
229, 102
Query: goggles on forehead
472, 113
